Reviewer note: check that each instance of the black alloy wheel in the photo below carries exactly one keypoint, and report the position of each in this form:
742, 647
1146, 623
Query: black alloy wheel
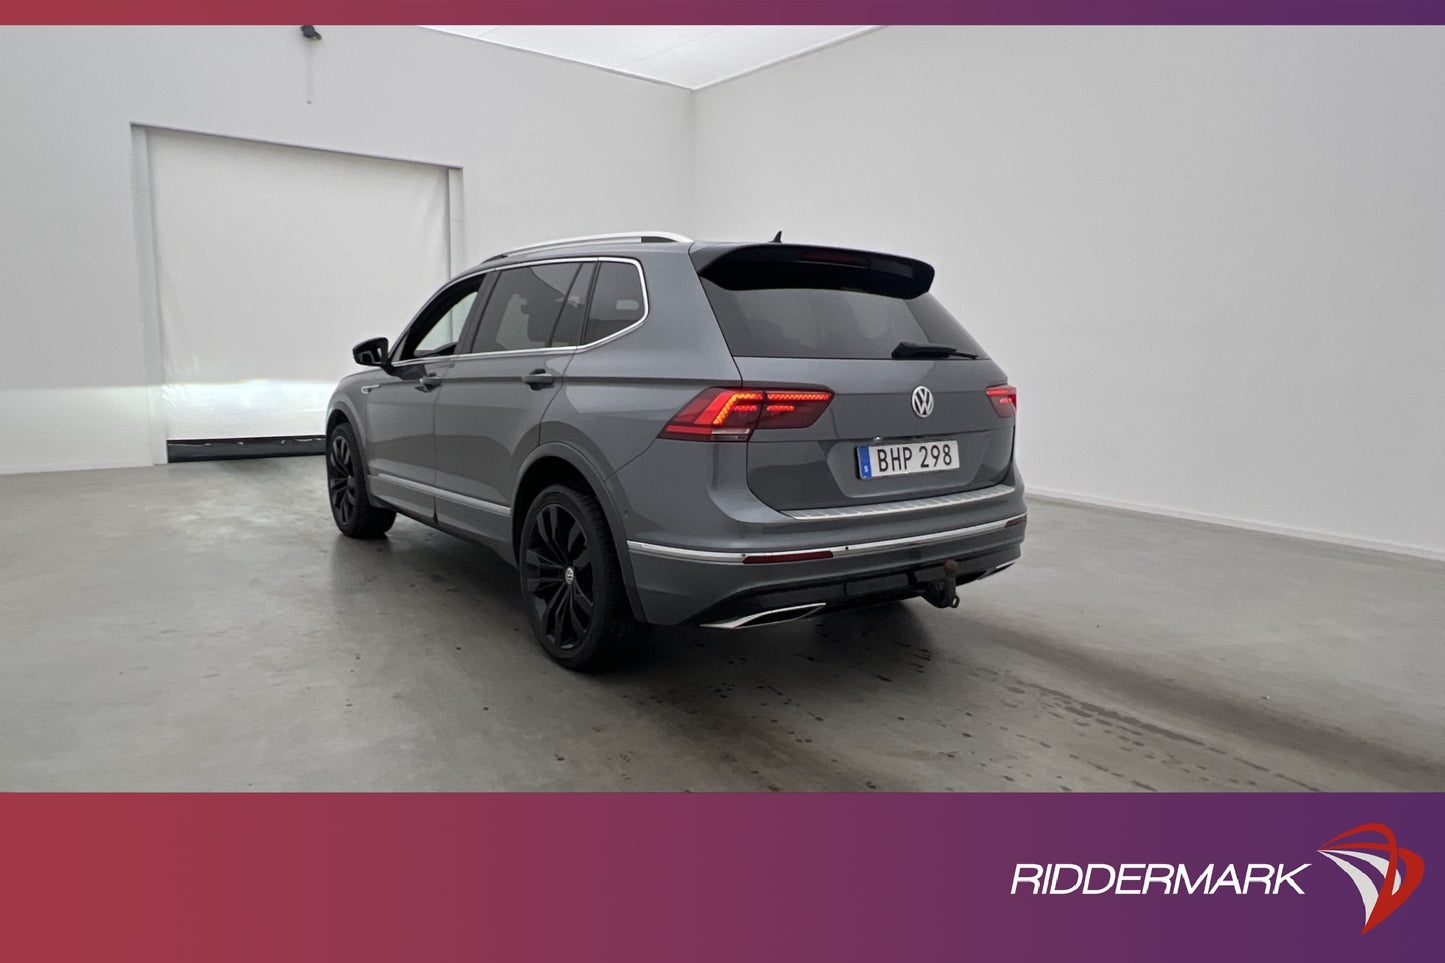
351, 509
572, 583
560, 578
342, 481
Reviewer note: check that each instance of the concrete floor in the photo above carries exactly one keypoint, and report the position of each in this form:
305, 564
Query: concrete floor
203, 626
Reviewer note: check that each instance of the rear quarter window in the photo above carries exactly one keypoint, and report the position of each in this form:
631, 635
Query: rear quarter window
618, 301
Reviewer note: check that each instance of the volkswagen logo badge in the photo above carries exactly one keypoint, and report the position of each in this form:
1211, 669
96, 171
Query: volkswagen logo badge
922, 402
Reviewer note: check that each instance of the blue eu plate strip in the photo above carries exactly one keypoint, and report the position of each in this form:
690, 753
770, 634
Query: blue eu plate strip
865, 463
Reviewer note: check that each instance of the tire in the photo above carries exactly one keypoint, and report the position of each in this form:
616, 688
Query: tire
351, 509
572, 584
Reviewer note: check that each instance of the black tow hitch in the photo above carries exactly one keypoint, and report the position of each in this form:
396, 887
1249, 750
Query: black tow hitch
944, 592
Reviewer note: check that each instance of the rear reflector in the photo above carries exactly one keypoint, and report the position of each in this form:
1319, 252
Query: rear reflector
1005, 400
732, 414
786, 557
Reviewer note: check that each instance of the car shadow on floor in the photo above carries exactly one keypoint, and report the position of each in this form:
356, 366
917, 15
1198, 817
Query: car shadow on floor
453, 582
763, 688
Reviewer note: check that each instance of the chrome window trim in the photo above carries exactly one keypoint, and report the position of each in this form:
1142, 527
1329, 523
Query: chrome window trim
857, 548
514, 352
901, 507
406, 329
435, 492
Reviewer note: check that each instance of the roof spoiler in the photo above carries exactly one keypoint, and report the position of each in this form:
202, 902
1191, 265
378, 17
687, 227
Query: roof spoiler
779, 265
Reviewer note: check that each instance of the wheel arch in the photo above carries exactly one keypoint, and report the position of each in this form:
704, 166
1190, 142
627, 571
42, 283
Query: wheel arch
342, 412
556, 463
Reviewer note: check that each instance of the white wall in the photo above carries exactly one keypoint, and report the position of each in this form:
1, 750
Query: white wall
258, 246
1213, 260
1210, 258
547, 149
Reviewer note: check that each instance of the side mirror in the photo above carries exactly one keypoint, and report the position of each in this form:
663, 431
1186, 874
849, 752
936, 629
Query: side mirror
371, 353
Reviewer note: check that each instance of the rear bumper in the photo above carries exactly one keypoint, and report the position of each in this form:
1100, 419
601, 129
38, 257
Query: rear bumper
718, 587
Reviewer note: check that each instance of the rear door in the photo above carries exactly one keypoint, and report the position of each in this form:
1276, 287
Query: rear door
492, 399
824, 318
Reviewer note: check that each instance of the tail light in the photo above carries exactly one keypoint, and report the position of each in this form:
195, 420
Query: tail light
732, 414
1005, 400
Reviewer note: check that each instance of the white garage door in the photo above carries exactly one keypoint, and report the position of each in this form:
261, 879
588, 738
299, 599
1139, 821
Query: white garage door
271, 263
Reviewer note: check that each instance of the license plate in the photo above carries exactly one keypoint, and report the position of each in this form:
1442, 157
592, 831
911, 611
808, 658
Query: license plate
906, 458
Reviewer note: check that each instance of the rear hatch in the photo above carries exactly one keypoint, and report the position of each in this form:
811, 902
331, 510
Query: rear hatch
907, 419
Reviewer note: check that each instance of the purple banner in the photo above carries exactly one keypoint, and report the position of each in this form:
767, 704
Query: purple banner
735, 11
720, 878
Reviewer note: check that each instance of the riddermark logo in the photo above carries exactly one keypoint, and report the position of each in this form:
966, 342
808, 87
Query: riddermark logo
1400, 869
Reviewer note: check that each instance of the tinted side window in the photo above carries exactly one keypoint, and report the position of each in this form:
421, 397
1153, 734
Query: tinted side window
523, 307
617, 300
436, 331
569, 325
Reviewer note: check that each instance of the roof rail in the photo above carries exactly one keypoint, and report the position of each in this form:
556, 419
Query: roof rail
639, 236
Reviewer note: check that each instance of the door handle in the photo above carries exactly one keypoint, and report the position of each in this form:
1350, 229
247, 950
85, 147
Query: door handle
428, 382
539, 379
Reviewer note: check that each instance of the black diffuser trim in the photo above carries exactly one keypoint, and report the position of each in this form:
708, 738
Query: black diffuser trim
209, 449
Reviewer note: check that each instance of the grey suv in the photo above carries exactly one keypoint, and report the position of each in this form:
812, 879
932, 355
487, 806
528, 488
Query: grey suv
656, 430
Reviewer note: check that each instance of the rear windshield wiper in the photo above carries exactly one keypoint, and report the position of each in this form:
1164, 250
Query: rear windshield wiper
916, 349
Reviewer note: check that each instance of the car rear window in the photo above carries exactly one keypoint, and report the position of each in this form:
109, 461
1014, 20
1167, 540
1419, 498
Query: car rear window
810, 315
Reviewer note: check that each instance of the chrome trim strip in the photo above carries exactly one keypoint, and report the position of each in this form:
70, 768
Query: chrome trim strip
560, 349
910, 505
684, 554
402, 482
435, 492
747, 620
857, 548
512, 353
477, 503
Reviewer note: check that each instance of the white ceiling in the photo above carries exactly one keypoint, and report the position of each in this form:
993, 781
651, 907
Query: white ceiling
690, 56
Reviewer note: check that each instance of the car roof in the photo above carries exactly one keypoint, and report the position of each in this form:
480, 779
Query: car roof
601, 245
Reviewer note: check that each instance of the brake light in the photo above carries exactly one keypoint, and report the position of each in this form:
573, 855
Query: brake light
1005, 400
834, 257
732, 414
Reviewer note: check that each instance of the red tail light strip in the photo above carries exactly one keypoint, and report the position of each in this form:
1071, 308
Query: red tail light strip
741, 403
787, 557
1005, 400
732, 414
